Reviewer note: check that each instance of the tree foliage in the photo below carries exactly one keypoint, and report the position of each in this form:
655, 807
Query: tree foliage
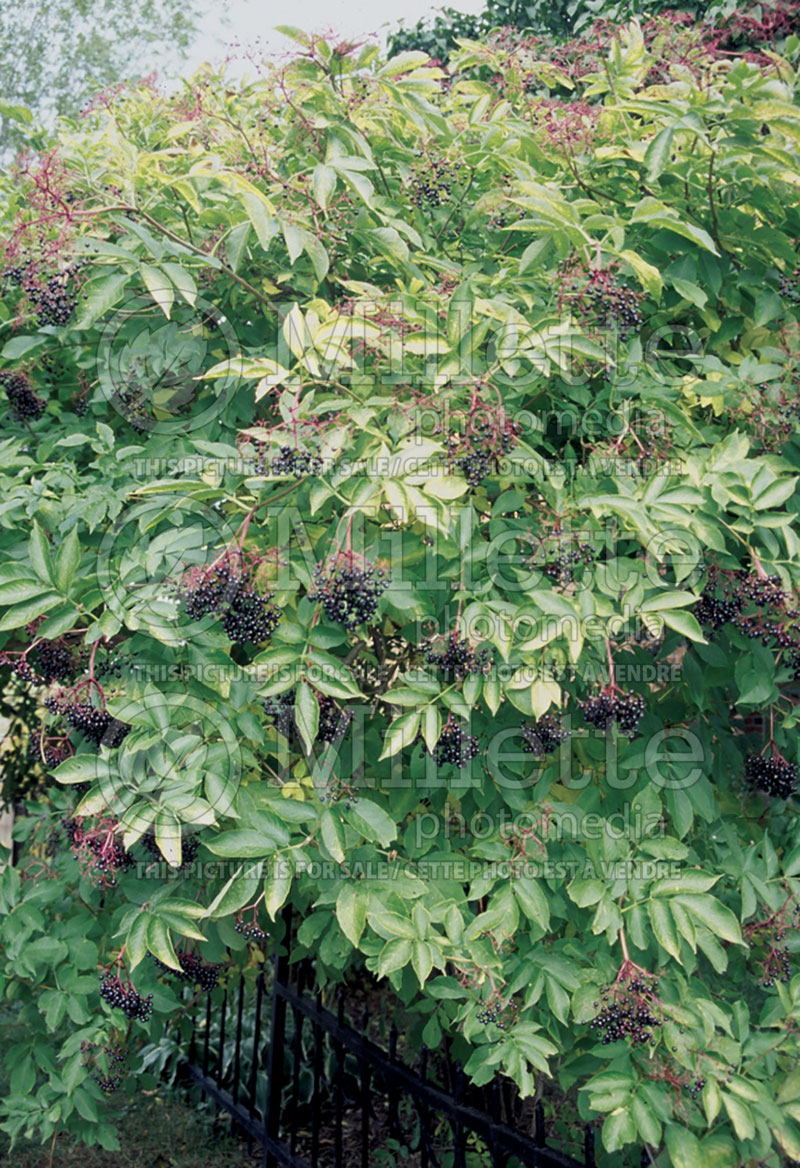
399, 518
55, 55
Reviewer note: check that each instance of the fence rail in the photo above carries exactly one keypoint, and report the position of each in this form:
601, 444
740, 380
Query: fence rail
315, 1054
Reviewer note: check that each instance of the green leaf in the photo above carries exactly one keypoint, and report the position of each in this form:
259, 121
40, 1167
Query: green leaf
160, 944
715, 916
683, 1147
306, 714
351, 911
100, 296
664, 927
401, 732
244, 843
136, 941
39, 553
396, 954
658, 153
324, 184
159, 286
67, 560
371, 821
333, 834
277, 885
532, 900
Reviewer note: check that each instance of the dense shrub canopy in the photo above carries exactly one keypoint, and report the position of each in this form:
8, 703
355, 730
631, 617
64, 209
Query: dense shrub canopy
399, 517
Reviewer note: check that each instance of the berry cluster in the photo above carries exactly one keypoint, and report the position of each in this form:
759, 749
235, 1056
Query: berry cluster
93, 722
627, 1010
543, 736
99, 852
333, 721
772, 417
773, 775
349, 591
757, 605
250, 930
477, 452
55, 661
122, 996
189, 847
50, 752
499, 1012
611, 705
52, 298
456, 658
558, 554
777, 967
454, 746
193, 969
105, 1064
432, 180
295, 462
789, 286
229, 591
609, 303
25, 404
696, 1087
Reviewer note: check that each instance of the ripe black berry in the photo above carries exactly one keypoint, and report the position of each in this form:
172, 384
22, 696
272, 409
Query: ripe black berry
349, 591
773, 775
544, 736
24, 402
456, 658
122, 996
454, 746
626, 709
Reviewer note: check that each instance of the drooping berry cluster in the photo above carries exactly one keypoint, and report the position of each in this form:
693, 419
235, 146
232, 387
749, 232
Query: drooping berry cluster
93, 722
54, 297
349, 589
455, 657
25, 404
228, 590
772, 774
296, 463
56, 661
122, 996
50, 753
777, 967
758, 606
612, 705
627, 1010
105, 1062
454, 746
544, 736
432, 179
609, 303
333, 720
696, 1087
193, 969
99, 852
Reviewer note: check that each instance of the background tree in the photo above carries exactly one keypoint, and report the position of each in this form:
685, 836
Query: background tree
54, 55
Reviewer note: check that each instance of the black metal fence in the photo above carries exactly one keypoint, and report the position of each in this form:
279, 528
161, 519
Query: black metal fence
316, 1092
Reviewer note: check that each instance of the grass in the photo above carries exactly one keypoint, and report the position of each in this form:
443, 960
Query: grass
156, 1131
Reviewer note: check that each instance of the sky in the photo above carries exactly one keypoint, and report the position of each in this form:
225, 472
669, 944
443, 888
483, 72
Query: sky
252, 22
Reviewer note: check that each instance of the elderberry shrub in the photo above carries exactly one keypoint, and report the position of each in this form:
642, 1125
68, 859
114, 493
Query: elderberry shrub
349, 592
295, 462
193, 969
93, 722
122, 996
25, 405
626, 709
454, 746
772, 775
456, 657
250, 930
543, 736
333, 721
